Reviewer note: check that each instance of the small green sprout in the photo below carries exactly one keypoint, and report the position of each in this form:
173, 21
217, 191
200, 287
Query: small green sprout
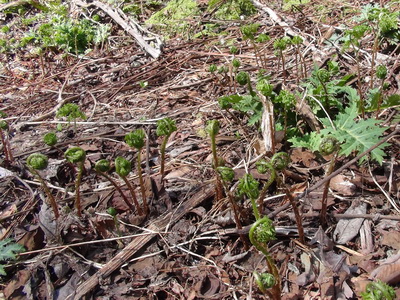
242, 78
264, 87
38, 161
3, 125
264, 281
288, 101
122, 166
249, 31
212, 68
50, 139
233, 50
223, 70
165, 127
329, 145
381, 72
72, 112
378, 291
212, 129
113, 213
143, 84
299, 58
135, 139
297, 40
262, 38
323, 75
236, 63
280, 161
102, 167
227, 174
77, 156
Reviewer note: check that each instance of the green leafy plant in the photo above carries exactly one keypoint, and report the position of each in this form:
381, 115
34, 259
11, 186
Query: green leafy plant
326, 92
38, 161
353, 135
102, 167
123, 167
378, 290
77, 155
165, 127
72, 112
251, 106
8, 251
135, 139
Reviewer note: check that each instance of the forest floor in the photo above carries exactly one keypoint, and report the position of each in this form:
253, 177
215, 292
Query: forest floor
188, 246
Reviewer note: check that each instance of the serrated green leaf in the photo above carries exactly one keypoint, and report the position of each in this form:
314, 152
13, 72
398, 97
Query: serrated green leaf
8, 251
309, 140
357, 136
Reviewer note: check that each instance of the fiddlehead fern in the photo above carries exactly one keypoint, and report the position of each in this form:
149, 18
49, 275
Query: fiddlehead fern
165, 127
261, 232
135, 139
38, 161
77, 156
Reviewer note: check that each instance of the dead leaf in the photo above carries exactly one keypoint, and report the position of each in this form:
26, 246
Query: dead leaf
366, 237
48, 223
347, 229
308, 275
13, 290
305, 157
389, 271
391, 239
69, 289
342, 185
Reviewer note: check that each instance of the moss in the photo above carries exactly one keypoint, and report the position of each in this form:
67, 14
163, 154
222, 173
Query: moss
173, 18
287, 4
232, 9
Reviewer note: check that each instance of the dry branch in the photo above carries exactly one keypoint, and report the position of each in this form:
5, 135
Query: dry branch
138, 243
130, 26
